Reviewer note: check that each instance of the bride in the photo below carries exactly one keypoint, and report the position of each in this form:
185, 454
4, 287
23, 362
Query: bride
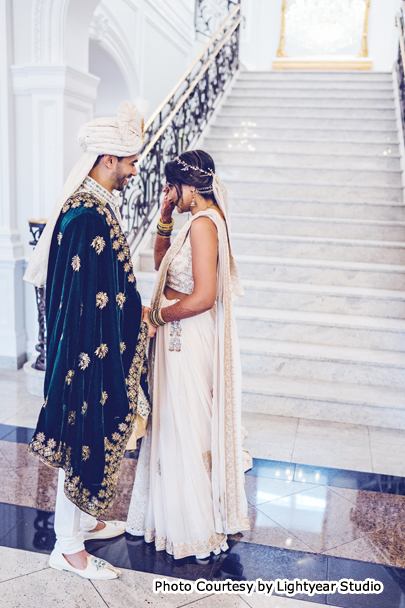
189, 485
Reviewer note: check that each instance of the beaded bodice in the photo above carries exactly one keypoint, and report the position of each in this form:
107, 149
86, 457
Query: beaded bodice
180, 271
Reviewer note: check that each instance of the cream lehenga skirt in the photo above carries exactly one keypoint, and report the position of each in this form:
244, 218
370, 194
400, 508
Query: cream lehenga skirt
172, 502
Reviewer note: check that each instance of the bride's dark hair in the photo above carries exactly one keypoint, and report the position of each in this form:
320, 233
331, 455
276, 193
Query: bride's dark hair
177, 175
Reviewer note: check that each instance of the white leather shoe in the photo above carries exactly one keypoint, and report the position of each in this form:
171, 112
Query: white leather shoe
96, 569
112, 529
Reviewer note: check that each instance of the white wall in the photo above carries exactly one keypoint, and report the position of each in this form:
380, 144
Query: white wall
382, 34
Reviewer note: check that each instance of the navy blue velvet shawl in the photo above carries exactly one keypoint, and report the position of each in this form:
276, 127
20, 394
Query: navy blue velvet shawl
96, 357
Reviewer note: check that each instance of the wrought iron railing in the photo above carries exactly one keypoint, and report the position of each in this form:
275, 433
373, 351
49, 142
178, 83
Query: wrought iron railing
207, 13
400, 21
178, 122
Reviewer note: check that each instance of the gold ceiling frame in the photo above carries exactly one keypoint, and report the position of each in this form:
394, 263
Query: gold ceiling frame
363, 53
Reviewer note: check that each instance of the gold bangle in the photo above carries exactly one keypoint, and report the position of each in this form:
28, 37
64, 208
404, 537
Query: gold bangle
152, 318
163, 235
171, 224
155, 317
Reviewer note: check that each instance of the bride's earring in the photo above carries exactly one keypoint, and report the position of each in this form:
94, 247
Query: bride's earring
193, 204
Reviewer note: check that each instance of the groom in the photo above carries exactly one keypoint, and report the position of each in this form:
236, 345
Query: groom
96, 361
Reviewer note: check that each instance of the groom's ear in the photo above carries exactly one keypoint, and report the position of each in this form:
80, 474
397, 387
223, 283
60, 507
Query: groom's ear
109, 161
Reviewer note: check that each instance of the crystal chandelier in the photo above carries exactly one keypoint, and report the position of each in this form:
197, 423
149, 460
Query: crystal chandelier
325, 26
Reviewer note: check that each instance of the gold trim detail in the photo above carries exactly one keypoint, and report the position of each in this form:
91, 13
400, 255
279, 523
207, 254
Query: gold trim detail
303, 63
281, 46
364, 49
295, 63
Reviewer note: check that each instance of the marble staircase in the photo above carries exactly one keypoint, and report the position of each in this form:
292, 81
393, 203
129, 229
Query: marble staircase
312, 164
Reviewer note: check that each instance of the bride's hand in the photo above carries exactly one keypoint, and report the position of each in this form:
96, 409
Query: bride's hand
145, 317
168, 205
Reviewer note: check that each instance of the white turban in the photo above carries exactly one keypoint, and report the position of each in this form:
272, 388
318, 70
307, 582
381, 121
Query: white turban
119, 136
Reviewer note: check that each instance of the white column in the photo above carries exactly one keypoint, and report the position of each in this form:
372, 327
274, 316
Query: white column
51, 102
12, 333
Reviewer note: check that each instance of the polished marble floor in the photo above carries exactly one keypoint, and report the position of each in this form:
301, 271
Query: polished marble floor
326, 501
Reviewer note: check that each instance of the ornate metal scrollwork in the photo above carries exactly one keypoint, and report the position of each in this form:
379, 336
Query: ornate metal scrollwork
36, 229
400, 22
178, 125
208, 12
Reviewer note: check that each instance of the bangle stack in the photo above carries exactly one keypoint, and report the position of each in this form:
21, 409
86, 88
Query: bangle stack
163, 229
155, 317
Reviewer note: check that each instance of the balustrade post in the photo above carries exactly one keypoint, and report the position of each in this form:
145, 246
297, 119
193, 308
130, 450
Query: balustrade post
36, 229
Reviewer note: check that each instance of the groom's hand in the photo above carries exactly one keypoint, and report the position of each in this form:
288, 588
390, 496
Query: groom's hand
145, 317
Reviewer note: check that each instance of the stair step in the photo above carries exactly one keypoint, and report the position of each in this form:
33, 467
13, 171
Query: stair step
325, 363
372, 209
343, 402
302, 113
270, 161
284, 101
321, 272
325, 86
334, 192
309, 92
302, 134
294, 146
319, 248
323, 298
319, 175
307, 298
289, 122
321, 75
255, 224
322, 328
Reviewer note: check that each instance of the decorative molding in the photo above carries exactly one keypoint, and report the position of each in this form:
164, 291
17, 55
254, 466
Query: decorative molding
48, 30
54, 79
106, 30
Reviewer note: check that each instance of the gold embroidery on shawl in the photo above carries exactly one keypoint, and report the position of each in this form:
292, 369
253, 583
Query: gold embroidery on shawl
69, 377
101, 299
121, 299
45, 403
84, 360
76, 263
59, 237
85, 452
122, 347
180, 550
101, 351
84, 408
104, 397
207, 460
72, 418
98, 243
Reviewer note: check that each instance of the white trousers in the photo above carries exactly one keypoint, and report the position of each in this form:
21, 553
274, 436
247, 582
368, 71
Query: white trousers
70, 522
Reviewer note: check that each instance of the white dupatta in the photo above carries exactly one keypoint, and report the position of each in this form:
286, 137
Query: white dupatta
229, 499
